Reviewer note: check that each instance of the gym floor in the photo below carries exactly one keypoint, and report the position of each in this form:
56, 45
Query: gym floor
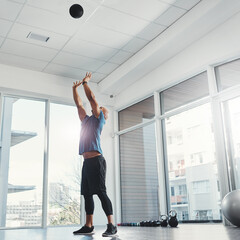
182, 232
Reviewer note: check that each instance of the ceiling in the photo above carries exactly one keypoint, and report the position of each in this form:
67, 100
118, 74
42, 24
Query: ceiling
108, 34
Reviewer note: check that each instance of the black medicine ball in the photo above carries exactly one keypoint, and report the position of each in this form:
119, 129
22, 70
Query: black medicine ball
76, 11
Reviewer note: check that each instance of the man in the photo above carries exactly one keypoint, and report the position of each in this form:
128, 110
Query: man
94, 166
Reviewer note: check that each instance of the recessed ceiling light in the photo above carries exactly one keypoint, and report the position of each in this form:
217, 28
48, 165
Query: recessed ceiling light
38, 37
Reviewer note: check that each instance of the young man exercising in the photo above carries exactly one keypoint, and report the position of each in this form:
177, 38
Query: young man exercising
94, 166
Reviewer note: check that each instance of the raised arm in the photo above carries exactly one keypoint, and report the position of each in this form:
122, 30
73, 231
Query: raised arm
90, 96
78, 100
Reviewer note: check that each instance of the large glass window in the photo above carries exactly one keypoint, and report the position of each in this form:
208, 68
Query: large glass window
137, 113
192, 166
228, 75
139, 178
22, 154
64, 166
185, 92
231, 114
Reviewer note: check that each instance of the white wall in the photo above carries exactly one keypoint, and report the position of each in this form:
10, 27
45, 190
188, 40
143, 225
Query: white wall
23, 81
220, 44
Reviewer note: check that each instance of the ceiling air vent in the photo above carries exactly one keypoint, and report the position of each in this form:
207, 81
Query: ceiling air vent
38, 37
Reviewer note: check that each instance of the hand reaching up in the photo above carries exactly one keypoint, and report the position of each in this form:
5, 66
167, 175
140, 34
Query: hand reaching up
77, 84
87, 77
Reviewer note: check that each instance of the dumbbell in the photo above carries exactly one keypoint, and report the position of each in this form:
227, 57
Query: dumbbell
148, 223
156, 223
173, 222
143, 223
164, 221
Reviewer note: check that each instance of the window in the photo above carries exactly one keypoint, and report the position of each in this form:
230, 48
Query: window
179, 139
183, 93
137, 113
22, 159
191, 166
139, 178
22, 155
228, 75
231, 115
196, 158
64, 166
182, 190
201, 186
218, 186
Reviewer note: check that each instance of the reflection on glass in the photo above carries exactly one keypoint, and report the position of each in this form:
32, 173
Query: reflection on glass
137, 113
139, 179
192, 166
231, 112
64, 166
24, 199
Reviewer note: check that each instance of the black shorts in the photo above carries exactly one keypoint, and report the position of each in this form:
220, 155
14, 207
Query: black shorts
93, 175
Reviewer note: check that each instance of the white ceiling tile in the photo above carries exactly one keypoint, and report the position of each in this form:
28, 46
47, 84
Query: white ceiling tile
48, 20
147, 9
56, 6
20, 32
9, 10
120, 57
186, 4
151, 31
117, 21
1, 40
28, 50
170, 16
107, 68
65, 71
102, 36
168, 1
85, 63
88, 49
18, 1
97, 77
5, 27
18, 61
135, 45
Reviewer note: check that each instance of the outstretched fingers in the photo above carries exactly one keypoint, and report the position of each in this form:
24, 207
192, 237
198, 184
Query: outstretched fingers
87, 77
77, 83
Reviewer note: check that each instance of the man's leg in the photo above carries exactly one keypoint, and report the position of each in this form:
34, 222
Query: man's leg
88, 228
107, 207
110, 219
89, 208
89, 220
